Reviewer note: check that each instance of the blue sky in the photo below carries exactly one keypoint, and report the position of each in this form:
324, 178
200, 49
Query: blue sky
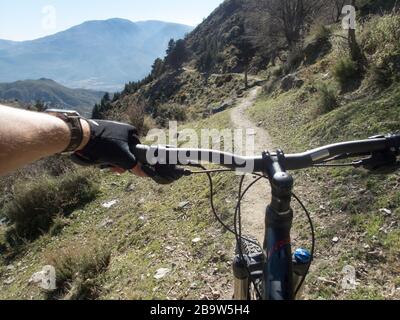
26, 20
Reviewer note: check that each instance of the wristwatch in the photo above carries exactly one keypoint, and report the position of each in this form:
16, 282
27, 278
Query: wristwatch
73, 120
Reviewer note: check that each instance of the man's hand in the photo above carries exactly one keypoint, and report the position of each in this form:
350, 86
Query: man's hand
110, 144
113, 144
27, 136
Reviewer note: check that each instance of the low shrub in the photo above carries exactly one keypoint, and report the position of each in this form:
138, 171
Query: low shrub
3, 245
148, 124
172, 112
321, 32
36, 203
276, 71
381, 41
327, 99
136, 115
57, 226
77, 271
344, 71
380, 76
53, 166
381, 35
294, 60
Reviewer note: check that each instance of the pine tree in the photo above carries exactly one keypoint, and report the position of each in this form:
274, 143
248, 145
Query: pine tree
171, 46
177, 54
157, 68
106, 98
96, 114
100, 110
205, 62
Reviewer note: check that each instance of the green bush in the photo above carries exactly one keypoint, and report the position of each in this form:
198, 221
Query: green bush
52, 166
381, 41
381, 35
327, 99
77, 271
294, 60
172, 112
322, 32
345, 70
380, 76
276, 71
37, 203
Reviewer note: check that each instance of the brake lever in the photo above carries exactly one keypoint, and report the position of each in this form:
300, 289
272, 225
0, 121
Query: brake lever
383, 162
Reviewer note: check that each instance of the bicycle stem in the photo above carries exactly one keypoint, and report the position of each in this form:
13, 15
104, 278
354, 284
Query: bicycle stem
278, 271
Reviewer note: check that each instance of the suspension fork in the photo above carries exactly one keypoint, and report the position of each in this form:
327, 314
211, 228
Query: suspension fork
278, 270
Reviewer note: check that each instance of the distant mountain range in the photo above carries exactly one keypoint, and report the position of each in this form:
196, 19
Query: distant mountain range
100, 55
51, 92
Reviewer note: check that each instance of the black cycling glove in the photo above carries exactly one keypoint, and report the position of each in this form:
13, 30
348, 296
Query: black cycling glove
111, 144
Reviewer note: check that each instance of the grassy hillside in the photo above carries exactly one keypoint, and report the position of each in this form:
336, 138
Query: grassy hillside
50, 92
111, 240
360, 209
190, 74
147, 229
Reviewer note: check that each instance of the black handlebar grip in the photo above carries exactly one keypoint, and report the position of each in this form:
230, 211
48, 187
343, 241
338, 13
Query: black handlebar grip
394, 141
140, 152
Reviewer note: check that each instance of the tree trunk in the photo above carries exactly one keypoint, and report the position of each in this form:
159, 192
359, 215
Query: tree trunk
246, 77
355, 51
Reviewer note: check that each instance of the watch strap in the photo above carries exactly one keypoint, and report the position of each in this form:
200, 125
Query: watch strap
73, 120
75, 126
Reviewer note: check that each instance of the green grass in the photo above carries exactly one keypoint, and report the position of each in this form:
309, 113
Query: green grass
78, 269
365, 293
352, 197
36, 203
146, 231
327, 99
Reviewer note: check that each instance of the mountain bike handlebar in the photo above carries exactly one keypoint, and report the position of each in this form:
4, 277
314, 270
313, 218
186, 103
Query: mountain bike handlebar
275, 260
380, 147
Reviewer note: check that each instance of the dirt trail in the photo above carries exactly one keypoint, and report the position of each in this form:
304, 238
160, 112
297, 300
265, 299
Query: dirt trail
253, 206
256, 201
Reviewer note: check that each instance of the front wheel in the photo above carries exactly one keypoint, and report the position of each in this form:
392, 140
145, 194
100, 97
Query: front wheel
244, 288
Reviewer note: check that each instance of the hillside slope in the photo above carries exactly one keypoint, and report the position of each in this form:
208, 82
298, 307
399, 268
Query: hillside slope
356, 213
143, 228
138, 240
100, 55
203, 77
51, 93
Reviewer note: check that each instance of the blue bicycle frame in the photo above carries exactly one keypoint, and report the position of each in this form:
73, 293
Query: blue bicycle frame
278, 269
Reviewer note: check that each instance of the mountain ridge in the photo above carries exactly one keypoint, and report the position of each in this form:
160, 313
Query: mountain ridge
119, 50
51, 93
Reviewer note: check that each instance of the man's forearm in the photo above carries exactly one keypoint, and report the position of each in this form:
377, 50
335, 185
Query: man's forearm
29, 136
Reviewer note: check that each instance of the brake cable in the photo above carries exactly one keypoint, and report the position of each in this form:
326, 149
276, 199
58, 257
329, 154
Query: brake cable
237, 232
212, 171
238, 235
313, 241
208, 173
333, 165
